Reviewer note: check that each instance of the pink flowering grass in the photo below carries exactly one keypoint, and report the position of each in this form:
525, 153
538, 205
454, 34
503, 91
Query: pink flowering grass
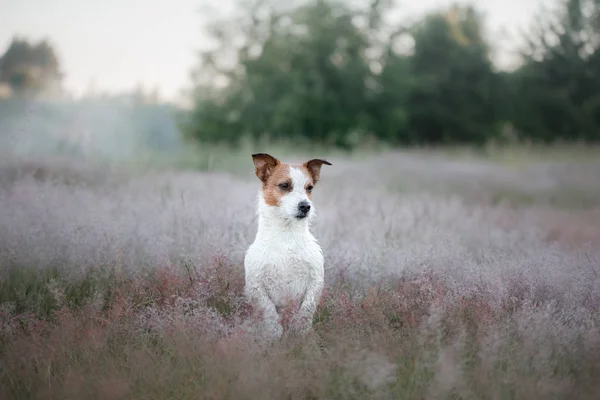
134, 290
172, 334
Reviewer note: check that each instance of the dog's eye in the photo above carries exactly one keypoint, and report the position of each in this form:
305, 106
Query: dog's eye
309, 188
284, 186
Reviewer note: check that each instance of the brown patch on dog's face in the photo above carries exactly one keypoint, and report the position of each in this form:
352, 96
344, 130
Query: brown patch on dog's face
275, 177
277, 185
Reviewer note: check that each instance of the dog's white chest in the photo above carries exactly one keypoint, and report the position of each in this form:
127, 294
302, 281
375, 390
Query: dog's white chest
285, 270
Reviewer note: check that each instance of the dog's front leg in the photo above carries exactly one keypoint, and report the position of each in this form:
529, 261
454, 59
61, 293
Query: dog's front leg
270, 318
309, 306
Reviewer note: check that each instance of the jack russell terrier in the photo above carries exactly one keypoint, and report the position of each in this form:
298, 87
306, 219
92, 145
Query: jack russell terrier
284, 265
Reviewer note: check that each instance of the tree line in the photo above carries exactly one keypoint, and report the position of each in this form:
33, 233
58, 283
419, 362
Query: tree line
325, 72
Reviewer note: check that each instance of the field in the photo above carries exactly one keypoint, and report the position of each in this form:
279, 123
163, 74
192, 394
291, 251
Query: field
448, 276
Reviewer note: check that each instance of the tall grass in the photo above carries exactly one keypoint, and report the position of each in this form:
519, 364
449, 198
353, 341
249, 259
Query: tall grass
130, 286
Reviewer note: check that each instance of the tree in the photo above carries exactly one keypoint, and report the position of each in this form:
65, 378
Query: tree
557, 91
388, 108
300, 72
453, 93
30, 69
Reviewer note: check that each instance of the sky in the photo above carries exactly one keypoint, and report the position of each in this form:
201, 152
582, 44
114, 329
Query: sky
116, 44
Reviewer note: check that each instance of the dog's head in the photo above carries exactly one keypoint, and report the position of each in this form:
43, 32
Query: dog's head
287, 188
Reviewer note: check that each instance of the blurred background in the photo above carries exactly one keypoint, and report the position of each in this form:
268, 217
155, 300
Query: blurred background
179, 79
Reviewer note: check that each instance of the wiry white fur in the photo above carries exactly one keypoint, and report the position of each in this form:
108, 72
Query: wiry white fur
284, 265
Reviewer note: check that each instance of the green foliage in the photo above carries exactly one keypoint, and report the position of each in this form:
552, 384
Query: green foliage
330, 74
453, 96
305, 79
326, 73
557, 90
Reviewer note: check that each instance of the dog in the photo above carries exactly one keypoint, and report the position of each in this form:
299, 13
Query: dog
284, 271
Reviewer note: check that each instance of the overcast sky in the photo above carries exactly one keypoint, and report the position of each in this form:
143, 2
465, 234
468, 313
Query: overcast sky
118, 43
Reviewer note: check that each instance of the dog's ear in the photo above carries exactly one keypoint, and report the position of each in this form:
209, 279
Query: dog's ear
264, 164
314, 168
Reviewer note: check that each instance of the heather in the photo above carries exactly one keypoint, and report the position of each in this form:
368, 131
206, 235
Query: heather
451, 273
446, 277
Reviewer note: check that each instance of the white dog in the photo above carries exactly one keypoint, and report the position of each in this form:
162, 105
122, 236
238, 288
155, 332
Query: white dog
284, 265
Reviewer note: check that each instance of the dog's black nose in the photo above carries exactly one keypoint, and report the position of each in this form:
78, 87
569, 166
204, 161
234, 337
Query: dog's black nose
304, 207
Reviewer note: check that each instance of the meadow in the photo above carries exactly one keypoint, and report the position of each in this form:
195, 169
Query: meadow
449, 275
